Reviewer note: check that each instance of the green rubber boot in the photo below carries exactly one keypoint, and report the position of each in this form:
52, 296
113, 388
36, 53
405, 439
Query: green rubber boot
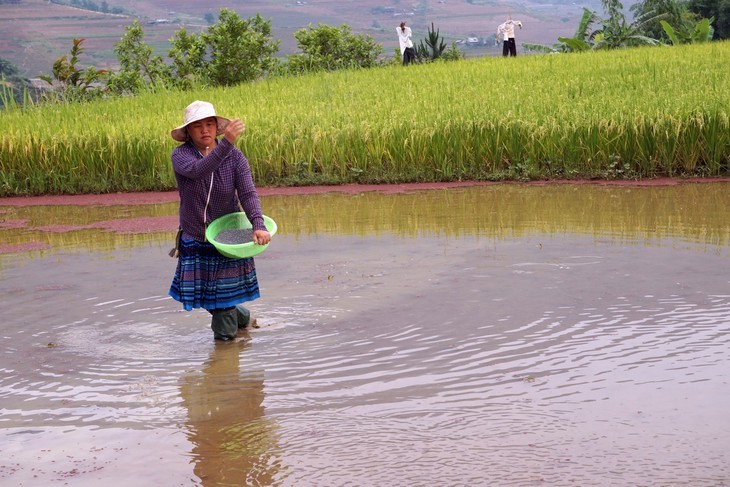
224, 323
245, 320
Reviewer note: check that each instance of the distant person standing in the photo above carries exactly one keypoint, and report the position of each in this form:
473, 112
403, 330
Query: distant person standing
506, 32
406, 45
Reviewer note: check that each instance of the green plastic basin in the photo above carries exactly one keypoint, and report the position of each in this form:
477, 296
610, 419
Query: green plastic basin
237, 221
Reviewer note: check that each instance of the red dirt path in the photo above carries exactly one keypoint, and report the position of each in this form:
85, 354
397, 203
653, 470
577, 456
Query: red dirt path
148, 198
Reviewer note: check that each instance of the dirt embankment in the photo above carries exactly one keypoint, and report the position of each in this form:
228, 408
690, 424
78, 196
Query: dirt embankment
150, 198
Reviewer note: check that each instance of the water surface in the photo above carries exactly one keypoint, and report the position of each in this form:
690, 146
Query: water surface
502, 335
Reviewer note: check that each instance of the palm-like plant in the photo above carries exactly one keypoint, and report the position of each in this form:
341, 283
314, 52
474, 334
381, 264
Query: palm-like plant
613, 31
433, 48
617, 33
701, 31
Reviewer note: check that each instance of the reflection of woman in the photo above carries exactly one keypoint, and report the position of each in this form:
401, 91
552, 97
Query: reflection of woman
213, 178
406, 45
232, 440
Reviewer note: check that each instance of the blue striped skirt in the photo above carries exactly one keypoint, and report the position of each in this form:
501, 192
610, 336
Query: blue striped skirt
206, 279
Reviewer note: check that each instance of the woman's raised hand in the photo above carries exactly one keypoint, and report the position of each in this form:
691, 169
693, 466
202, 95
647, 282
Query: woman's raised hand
234, 129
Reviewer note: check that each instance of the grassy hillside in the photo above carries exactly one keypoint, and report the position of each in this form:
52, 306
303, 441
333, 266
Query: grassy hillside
34, 33
632, 113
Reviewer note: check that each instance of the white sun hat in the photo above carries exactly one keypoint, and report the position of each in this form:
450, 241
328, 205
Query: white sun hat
198, 110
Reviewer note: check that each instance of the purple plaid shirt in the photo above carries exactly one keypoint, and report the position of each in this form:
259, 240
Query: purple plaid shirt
232, 178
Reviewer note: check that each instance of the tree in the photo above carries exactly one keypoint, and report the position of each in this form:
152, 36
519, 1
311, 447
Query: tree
71, 83
613, 31
140, 69
188, 59
240, 50
326, 48
716, 9
674, 12
617, 33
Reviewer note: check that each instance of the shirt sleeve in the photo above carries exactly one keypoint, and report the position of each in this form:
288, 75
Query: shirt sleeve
246, 190
185, 160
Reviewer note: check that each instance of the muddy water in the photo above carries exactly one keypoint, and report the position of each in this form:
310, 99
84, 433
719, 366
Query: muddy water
501, 335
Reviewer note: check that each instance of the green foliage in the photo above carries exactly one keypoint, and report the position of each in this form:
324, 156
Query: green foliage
432, 47
715, 9
617, 33
701, 32
453, 53
139, 68
672, 12
613, 32
574, 45
188, 55
654, 21
240, 50
681, 22
327, 48
231, 52
69, 82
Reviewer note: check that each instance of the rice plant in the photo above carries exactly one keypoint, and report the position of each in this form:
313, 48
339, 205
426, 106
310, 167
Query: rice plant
634, 113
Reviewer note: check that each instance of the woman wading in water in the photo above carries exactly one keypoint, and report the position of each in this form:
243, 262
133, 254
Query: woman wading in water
213, 177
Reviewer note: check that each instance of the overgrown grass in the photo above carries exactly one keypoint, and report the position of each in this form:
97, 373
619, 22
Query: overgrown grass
635, 113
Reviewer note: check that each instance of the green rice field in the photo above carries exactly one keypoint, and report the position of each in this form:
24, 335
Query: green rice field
626, 114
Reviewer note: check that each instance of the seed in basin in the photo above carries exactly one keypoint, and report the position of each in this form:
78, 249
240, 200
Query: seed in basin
235, 236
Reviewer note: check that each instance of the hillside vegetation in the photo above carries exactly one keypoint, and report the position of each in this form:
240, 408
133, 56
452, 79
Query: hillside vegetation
34, 33
638, 113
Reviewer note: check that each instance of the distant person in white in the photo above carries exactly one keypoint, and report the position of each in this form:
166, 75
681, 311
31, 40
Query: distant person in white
406, 46
506, 32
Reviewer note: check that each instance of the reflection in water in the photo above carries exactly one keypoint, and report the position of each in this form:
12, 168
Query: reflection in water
692, 211
233, 441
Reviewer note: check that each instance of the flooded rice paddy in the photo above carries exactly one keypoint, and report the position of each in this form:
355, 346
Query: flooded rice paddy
500, 335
